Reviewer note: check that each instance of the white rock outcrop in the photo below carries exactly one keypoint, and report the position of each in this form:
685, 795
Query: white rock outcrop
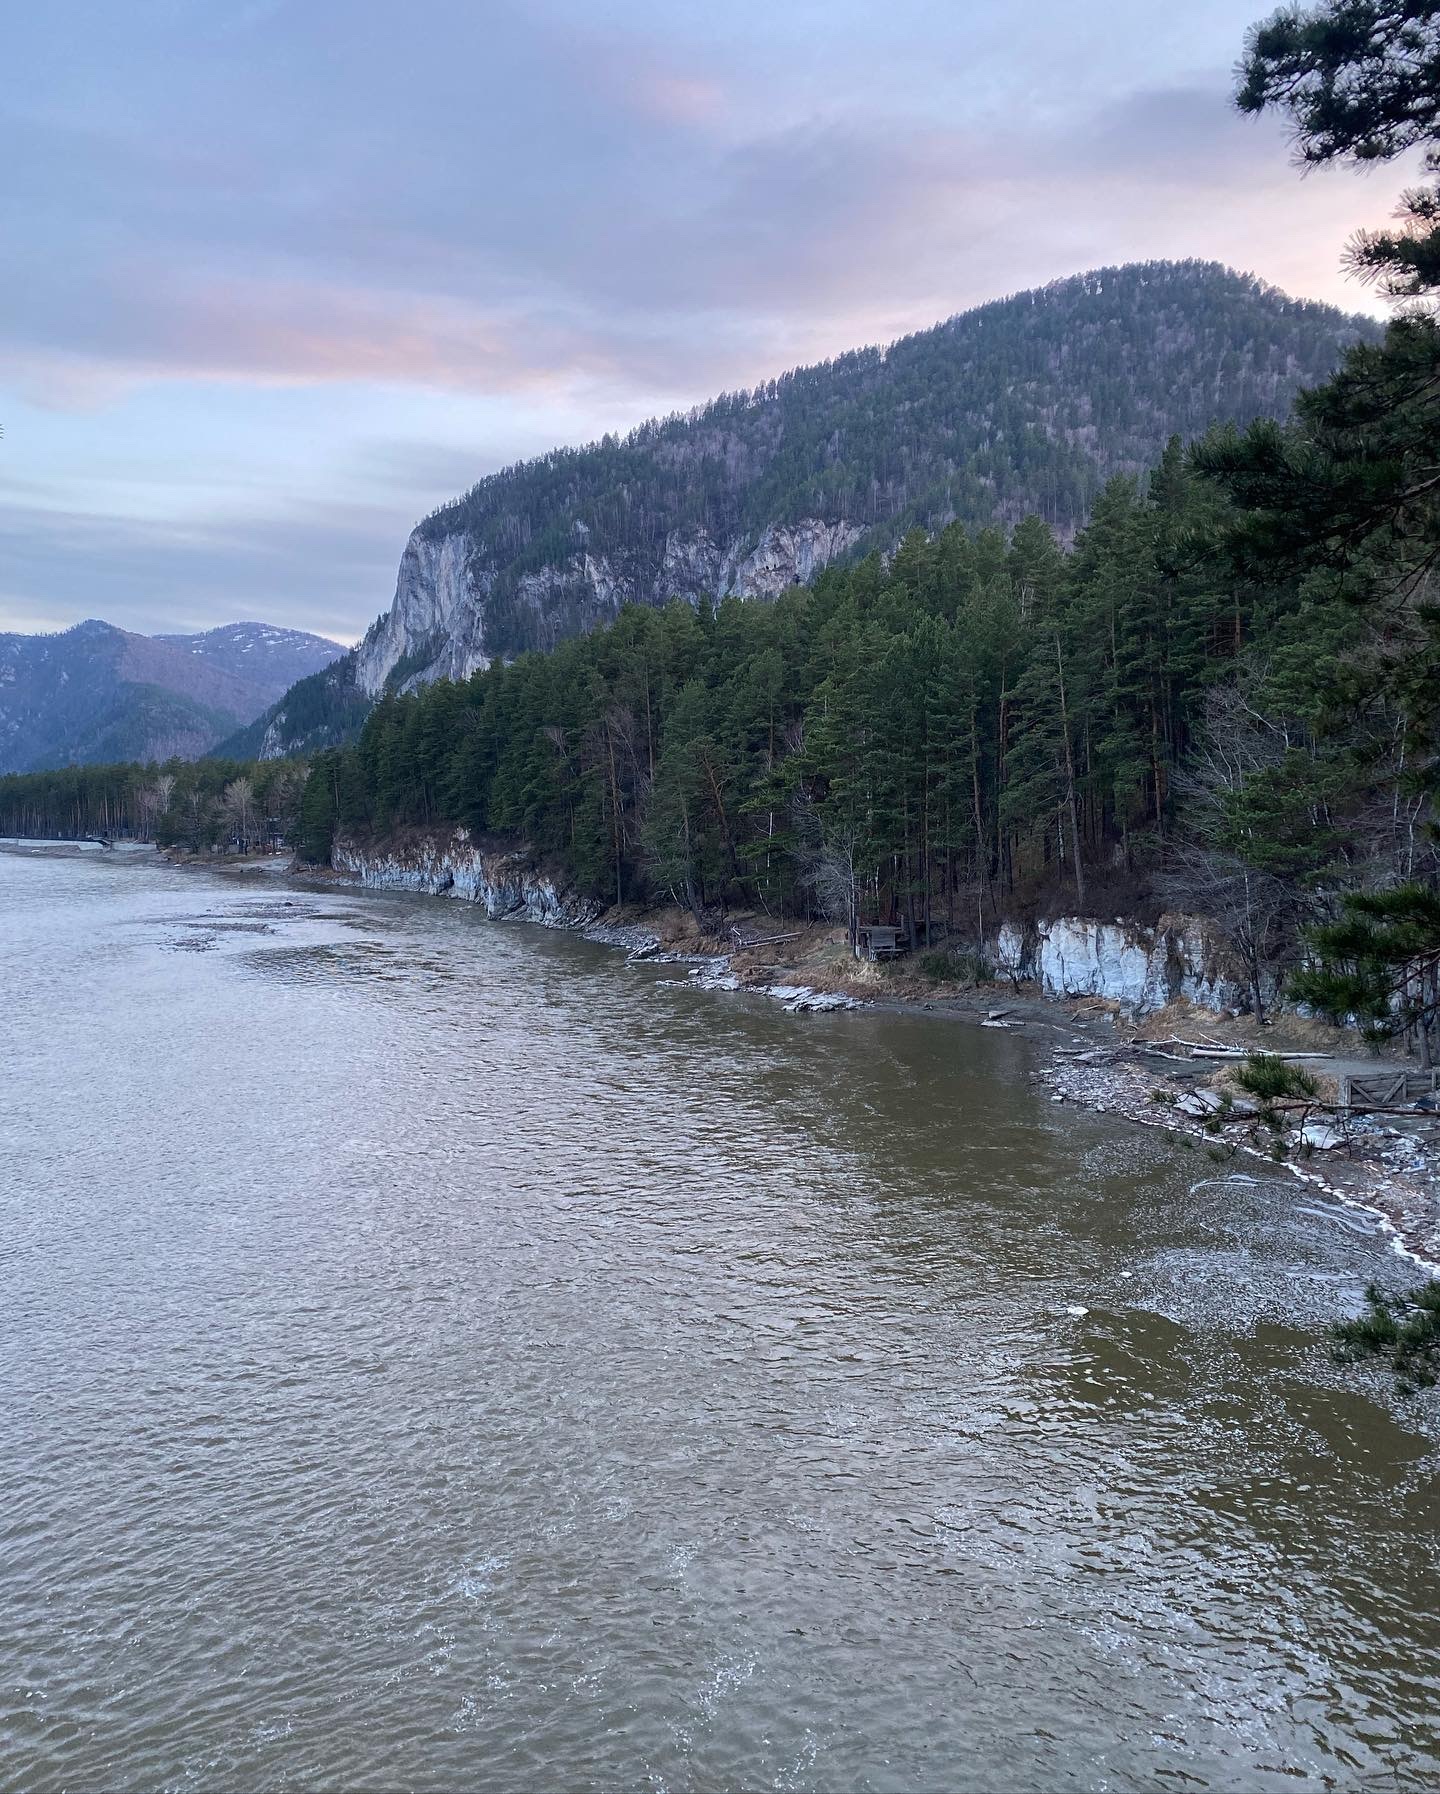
1138, 967
438, 626
436, 613
507, 881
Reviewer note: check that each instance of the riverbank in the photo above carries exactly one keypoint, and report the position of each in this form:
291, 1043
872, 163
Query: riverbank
1089, 1052
1093, 1052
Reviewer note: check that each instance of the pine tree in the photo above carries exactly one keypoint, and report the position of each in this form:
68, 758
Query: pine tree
1380, 962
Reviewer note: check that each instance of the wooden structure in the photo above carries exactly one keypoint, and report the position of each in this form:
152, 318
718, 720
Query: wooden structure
875, 940
1392, 1088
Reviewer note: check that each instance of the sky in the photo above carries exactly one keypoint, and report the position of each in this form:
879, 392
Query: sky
277, 277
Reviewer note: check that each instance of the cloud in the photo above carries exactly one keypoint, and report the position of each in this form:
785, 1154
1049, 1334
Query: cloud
483, 220
299, 333
638, 246
1187, 131
60, 566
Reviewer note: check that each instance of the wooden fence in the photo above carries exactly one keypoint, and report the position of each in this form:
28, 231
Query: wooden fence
1387, 1089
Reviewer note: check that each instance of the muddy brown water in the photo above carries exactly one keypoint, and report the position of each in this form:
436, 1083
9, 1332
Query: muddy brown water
435, 1354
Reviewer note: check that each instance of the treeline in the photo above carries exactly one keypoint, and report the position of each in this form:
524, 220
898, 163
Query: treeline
232, 805
984, 724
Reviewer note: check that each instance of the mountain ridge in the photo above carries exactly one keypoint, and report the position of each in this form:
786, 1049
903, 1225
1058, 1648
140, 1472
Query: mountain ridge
1026, 404
96, 692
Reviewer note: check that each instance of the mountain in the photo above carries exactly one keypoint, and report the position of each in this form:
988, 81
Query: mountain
315, 713
95, 693
1028, 404
259, 654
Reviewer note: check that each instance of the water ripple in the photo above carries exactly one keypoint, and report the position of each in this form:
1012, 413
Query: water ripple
437, 1352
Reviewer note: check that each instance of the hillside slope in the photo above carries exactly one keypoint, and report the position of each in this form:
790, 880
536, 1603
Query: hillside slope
96, 693
1027, 404
260, 655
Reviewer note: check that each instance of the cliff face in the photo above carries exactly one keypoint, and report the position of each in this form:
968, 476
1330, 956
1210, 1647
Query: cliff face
1140, 968
440, 625
438, 611
509, 882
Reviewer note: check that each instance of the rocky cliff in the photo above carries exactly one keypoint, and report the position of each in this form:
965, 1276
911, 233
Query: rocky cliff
1140, 968
508, 881
440, 624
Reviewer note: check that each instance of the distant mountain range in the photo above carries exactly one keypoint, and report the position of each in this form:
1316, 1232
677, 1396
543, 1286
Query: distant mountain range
95, 693
1028, 404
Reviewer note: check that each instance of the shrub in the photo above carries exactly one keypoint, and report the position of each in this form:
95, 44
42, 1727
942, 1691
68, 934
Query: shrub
957, 968
1268, 1077
1405, 1329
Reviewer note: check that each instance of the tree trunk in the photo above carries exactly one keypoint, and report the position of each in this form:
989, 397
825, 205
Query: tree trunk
614, 809
979, 822
1070, 779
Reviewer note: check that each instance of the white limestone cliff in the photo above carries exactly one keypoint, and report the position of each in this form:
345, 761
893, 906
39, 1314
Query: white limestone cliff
435, 611
1141, 968
507, 881
438, 627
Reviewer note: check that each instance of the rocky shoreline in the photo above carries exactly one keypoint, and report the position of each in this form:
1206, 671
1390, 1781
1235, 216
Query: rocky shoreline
1088, 1051
1362, 1165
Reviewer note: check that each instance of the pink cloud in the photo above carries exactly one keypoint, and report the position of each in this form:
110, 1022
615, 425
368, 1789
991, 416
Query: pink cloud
800, 243
296, 333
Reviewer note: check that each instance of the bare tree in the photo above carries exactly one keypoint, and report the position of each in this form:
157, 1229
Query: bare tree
238, 803
153, 801
1256, 913
826, 864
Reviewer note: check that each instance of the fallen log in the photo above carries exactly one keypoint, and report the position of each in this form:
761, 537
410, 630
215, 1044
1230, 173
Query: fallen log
760, 940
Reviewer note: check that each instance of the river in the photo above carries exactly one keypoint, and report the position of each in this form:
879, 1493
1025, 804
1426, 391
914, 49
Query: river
435, 1354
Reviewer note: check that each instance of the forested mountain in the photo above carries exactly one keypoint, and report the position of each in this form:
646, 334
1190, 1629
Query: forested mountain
317, 712
96, 693
1024, 406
